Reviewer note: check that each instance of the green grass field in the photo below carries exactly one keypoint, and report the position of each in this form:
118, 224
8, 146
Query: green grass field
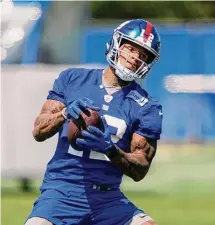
179, 190
177, 209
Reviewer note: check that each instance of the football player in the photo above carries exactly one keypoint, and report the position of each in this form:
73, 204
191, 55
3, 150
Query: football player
82, 182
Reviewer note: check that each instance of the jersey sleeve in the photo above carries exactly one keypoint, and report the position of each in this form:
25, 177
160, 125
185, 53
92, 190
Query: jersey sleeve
150, 121
58, 90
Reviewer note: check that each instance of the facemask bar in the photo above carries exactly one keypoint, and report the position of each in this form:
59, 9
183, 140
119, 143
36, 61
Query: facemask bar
142, 62
121, 71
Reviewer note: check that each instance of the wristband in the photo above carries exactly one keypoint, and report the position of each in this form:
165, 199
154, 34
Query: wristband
63, 113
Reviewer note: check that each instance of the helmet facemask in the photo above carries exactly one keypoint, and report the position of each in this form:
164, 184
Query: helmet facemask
114, 51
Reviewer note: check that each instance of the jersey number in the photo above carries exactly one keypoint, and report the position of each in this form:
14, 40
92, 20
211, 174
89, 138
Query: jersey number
117, 127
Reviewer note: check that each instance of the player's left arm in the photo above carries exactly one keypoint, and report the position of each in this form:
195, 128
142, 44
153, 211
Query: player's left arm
143, 147
137, 161
135, 164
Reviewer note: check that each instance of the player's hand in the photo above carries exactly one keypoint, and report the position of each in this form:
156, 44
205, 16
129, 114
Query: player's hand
95, 139
74, 109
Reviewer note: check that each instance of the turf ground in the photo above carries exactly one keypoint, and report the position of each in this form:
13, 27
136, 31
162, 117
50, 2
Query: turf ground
179, 189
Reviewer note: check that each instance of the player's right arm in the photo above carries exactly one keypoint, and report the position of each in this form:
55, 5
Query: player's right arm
55, 110
49, 121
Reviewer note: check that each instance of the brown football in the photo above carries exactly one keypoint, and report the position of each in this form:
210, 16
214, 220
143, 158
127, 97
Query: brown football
88, 117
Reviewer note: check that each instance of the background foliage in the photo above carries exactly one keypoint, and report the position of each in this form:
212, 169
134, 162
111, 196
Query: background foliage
153, 9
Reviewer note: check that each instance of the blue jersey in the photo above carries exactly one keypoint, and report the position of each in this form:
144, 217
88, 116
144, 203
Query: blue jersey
127, 111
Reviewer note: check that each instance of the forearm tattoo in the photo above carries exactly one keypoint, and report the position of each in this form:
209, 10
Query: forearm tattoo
49, 120
136, 164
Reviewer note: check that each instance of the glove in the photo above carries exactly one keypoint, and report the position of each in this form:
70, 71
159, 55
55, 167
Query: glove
74, 109
96, 140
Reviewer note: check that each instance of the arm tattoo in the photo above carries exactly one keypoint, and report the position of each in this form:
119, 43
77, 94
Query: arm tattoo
136, 164
49, 120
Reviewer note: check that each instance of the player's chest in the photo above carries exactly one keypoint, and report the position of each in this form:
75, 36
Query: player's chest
114, 107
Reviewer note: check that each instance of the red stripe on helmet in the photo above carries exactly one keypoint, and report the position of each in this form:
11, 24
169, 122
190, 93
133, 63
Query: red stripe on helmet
148, 30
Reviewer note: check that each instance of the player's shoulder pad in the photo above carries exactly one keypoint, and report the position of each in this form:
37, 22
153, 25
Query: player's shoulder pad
72, 74
68, 72
152, 106
147, 104
140, 98
139, 95
150, 118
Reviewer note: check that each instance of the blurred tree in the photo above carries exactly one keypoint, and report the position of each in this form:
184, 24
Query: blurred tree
153, 9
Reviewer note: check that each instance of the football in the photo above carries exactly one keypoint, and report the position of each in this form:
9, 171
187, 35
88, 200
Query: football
88, 117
